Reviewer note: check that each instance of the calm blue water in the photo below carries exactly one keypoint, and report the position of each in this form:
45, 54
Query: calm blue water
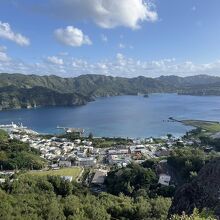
127, 116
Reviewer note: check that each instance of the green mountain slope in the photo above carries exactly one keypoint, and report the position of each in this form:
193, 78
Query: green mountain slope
13, 97
23, 91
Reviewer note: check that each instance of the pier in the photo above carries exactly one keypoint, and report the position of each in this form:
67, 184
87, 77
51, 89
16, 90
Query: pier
79, 131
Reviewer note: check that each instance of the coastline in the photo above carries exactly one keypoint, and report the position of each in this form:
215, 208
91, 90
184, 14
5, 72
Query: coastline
207, 127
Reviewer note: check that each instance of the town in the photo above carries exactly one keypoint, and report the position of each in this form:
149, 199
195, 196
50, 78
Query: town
60, 152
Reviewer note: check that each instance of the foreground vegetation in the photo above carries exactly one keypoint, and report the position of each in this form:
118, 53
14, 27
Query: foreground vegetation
132, 192
17, 155
53, 198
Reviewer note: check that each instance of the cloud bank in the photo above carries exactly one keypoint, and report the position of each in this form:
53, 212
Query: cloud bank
55, 60
121, 65
7, 33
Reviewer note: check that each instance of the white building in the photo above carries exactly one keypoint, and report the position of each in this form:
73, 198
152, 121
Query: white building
87, 161
164, 179
118, 151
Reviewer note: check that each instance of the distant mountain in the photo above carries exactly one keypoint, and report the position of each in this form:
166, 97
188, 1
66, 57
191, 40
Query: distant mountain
26, 91
189, 80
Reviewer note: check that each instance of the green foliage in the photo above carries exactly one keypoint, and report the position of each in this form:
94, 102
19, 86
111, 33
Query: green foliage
90, 136
3, 136
13, 97
130, 179
52, 198
17, 155
61, 187
123, 207
137, 180
204, 215
110, 142
186, 161
151, 163
214, 142
22, 91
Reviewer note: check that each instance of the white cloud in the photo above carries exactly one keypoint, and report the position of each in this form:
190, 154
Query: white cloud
55, 60
104, 38
118, 66
72, 36
105, 13
7, 33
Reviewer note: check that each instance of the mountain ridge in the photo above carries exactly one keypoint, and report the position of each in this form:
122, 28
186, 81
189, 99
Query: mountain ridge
84, 88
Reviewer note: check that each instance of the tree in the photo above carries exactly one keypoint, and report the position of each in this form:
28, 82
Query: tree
169, 136
204, 215
187, 160
130, 179
90, 136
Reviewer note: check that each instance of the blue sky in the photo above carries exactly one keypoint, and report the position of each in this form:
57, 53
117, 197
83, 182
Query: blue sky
112, 37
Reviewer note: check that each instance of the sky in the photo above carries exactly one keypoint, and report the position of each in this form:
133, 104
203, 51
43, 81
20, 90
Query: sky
113, 37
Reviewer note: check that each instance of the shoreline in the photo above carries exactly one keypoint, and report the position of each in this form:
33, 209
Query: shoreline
208, 128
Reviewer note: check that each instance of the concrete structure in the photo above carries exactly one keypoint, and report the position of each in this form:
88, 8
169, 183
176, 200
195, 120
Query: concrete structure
116, 159
118, 151
164, 179
99, 177
86, 162
65, 163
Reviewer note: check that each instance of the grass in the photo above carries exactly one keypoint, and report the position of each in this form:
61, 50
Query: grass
3, 136
74, 172
208, 126
109, 142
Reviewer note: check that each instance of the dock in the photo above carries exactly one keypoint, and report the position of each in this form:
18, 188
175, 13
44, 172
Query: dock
72, 130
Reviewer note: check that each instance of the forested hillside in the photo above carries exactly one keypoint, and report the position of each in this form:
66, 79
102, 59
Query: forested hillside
17, 155
26, 91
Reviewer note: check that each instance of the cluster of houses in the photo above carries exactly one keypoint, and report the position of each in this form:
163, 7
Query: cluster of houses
61, 152
137, 153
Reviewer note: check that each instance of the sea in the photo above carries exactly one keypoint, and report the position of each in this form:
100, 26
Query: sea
121, 116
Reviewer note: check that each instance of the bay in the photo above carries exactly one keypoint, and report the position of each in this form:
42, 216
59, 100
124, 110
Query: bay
121, 116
